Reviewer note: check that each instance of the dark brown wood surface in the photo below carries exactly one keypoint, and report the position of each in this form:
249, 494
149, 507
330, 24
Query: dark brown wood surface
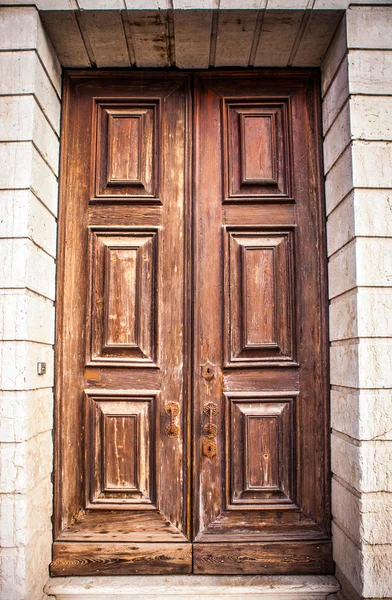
174, 272
260, 293
122, 323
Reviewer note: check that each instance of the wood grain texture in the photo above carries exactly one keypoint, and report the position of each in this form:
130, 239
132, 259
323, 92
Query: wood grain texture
121, 339
268, 559
254, 144
151, 283
120, 559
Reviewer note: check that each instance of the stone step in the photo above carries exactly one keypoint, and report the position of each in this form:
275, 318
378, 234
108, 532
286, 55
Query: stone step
193, 587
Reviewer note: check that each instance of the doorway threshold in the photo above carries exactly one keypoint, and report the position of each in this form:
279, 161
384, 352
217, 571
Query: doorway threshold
195, 587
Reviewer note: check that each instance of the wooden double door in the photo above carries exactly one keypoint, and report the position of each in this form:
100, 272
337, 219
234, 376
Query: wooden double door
191, 363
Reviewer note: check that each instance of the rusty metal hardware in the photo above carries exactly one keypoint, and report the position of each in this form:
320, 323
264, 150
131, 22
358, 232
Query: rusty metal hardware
209, 448
208, 371
172, 409
210, 430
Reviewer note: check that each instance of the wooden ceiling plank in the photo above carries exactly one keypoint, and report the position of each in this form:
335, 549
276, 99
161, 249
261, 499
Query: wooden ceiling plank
64, 33
148, 29
105, 35
278, 33
316, 38
234, 38
192, 32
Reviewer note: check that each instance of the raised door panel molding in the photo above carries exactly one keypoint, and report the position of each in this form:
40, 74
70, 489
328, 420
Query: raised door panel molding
121, 323
259, 297
119, 449
126, 152
257, 151
261, 444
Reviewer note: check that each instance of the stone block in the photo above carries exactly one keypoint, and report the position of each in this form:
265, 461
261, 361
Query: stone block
24, 465
38, 555
26, 316
19, 366
375, 363
371, 117
346, 510
339, 181
24, 515
372, 164
24, 121
21, 29
100, 4
337, 138
336, 95
377, 571
24, 216
373, 211
25, 414
205, 587
365, 466
344, 364
378, 63
374, 261
348, 556
362, 414
342, 272
376, 518
374, 309
369, 27
26, 169
334, 54
343, 317
23, 73
341, 224
23, 264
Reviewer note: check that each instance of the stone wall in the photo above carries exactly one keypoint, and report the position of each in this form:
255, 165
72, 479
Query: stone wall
357, 118
30, 87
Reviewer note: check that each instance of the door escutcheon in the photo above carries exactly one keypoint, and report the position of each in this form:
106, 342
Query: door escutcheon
172, 409
208, 371
209, 448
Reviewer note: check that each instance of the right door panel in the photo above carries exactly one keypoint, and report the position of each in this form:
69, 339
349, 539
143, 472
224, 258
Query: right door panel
261, 350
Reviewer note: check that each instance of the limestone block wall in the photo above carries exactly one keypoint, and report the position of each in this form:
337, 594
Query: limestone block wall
357, 121
30, 88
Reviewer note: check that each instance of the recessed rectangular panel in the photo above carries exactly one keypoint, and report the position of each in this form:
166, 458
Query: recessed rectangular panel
122, 309
259, 297
121, 452
125, 148
257, 150
261, 452
120, 449
260, 449
126, 151
121, 306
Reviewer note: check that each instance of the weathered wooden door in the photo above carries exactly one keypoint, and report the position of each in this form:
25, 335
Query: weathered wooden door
260, 352
191, 369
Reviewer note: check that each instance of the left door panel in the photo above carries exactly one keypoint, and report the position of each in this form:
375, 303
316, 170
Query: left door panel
122, 377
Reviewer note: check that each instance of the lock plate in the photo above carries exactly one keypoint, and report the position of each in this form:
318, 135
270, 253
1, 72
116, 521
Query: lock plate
208, 371
209, 448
